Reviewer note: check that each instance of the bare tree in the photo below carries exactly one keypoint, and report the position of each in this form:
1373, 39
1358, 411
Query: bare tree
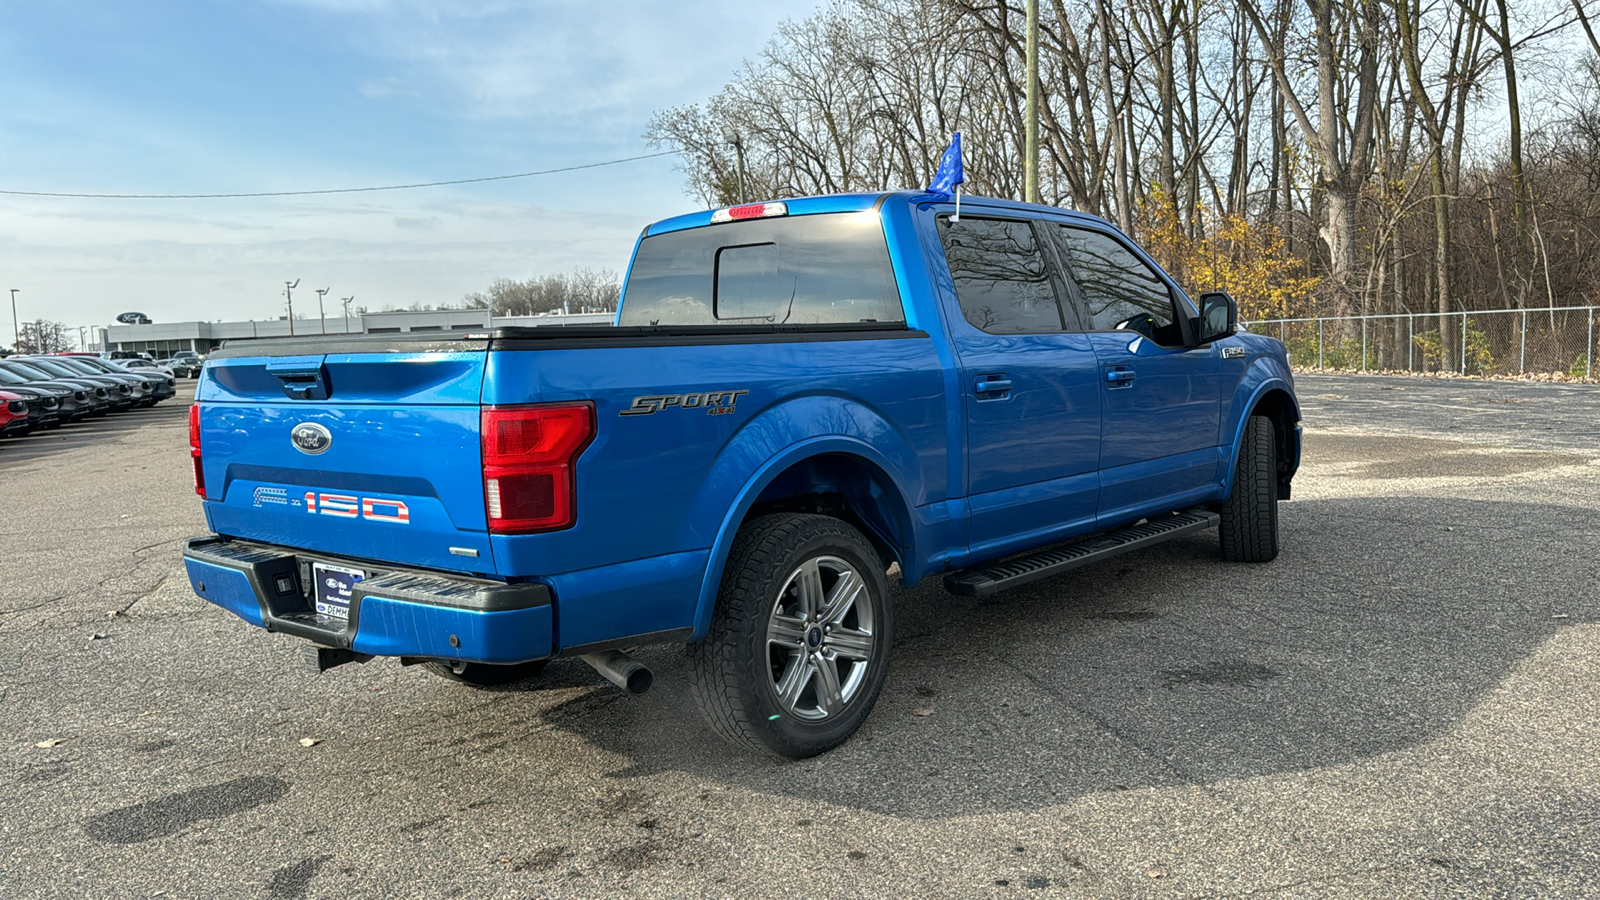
1350, 135
581, 290
1345, 38
43, 336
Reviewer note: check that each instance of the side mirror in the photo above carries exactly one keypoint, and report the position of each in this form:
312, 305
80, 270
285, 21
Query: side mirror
1219, 317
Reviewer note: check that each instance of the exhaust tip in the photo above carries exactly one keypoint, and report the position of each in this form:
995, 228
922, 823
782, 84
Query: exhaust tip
639, 681
621, 670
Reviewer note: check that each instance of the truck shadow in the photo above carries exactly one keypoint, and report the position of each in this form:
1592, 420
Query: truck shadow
1378, 628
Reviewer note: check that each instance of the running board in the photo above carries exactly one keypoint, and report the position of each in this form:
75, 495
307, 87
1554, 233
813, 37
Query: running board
991, 578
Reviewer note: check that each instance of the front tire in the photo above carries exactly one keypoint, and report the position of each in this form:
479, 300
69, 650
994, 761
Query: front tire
799, 640
1249, 526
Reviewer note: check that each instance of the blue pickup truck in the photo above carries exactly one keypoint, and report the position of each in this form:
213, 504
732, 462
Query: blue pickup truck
798, 401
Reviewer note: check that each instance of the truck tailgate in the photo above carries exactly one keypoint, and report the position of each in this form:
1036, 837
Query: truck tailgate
366, 455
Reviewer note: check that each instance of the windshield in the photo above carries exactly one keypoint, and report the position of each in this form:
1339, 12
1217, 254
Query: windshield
33, 372
799, 270
56, 368
9, 377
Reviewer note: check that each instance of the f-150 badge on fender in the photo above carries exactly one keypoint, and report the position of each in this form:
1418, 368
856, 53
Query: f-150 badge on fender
715, 403
309, 437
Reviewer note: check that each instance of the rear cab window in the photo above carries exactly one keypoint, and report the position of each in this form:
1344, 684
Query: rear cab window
817, 269
1001, 277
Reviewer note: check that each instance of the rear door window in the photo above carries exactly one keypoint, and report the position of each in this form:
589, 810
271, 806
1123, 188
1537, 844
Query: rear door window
1001, 278
824, 269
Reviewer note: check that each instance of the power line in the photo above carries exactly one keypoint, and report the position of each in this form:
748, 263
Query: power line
357, 190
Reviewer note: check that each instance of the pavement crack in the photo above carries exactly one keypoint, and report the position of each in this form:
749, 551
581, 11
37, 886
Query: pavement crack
148, 547
40, 605
131, 603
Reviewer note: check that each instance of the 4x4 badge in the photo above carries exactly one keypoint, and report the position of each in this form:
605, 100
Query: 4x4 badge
309, 437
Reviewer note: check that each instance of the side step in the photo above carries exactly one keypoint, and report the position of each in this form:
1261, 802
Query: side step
991, 578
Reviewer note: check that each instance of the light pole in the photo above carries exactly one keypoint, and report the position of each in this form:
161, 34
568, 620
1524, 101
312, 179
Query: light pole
346, 302
16, 331
737, 142
320, 293
288, 291
1030, 126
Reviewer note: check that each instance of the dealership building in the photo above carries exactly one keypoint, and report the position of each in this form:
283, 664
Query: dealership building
162, 339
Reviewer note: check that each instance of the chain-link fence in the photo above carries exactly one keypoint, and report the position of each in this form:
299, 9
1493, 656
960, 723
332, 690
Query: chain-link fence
1559, 340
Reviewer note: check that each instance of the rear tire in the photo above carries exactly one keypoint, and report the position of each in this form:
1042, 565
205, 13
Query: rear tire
1249, 525
486, 675
799, 640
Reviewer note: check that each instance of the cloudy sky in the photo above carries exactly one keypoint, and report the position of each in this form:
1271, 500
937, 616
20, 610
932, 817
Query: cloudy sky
228, 96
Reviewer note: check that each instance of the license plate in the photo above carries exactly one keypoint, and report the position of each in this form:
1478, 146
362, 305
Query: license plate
335, 584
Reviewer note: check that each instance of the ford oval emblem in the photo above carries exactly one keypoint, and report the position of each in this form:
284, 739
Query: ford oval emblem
309, 437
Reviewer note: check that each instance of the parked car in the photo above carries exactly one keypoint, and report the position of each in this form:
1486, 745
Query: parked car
70, 399
799, 398
145, 387
44, 402
146, 367
14, 414
186, 364
122, 393
162, 384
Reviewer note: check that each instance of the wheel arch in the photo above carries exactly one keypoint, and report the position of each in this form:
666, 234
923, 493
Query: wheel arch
1274, 400
834, 475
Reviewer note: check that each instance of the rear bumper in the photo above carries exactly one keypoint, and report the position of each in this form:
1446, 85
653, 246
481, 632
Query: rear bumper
393, 612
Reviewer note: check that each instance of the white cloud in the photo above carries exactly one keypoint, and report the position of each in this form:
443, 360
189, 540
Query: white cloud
570, 61
381, 88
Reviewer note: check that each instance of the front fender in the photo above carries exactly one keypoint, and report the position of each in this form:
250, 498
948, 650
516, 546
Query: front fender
1264, 375
782, 436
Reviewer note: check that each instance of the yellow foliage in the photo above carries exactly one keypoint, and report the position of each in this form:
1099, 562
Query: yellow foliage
1248, 260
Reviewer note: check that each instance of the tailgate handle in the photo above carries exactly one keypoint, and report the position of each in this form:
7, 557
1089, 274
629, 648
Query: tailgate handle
302, 378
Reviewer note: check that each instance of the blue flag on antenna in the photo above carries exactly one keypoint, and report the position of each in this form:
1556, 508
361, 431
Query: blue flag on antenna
949, 173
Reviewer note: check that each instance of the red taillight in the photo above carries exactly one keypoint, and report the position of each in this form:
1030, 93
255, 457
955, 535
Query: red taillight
194, 450
528, 453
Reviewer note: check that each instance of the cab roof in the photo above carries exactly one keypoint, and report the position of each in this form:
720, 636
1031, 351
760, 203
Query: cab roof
843, 203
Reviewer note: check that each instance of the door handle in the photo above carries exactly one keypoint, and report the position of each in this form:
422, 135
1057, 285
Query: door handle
992, 387
1120, 376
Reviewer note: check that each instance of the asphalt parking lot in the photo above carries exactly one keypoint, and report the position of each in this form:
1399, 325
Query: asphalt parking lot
1402, 704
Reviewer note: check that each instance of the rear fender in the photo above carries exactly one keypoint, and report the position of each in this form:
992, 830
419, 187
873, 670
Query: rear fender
778, 439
